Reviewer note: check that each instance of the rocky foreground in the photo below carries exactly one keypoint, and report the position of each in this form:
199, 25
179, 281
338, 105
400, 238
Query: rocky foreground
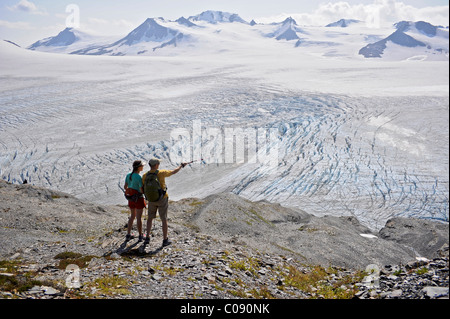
56, 246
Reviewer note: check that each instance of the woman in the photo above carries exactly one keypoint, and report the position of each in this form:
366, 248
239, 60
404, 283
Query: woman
133, 185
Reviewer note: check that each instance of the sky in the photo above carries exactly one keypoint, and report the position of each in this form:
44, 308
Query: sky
27, 21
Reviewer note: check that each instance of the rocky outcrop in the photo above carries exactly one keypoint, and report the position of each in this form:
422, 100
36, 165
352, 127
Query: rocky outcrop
418, 279
31, 214
328, 240
425, 237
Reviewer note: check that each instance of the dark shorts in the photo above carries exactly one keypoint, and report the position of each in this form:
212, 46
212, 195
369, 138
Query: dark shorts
140, 204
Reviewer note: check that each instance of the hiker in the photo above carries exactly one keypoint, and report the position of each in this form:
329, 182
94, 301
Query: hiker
134, 188
160, 202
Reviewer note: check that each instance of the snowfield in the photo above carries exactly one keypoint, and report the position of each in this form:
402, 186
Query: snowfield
354, 136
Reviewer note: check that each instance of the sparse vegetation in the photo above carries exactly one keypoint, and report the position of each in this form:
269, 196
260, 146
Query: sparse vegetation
8, 266
422, 271
196, 203
315, 282
250, 264
110, 286
67, 258
262, 292
16, 281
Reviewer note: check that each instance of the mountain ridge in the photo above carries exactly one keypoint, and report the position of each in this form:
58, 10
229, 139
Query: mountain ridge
212, 16
200, 31
342, 23
402, 38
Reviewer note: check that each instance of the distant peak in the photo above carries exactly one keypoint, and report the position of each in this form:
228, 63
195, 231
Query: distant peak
212, 16
151, 20
289, 20
149, 30
343, 23
13, 43
424, 27
64, 38
185, 22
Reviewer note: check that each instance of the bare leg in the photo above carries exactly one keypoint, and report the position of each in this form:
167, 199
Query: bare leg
164, 228
149, 226
131, 220
139, 220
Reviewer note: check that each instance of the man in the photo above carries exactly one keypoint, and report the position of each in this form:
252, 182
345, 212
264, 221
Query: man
162, 204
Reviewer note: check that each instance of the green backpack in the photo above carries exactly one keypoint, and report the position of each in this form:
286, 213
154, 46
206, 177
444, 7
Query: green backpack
152, 188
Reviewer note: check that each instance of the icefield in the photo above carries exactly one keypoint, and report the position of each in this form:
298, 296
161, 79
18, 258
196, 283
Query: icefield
368, 138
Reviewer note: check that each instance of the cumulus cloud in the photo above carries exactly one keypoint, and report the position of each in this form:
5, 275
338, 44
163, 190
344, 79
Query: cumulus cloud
377, 14
27, 6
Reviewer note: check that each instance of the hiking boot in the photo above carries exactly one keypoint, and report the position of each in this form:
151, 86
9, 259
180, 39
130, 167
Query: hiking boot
147, 240
129, 237
166, 242
141, 238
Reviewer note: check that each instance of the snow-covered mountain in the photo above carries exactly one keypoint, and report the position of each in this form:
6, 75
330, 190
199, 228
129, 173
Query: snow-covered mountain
217, 16
148, 31
65, 38
343, 23
223, 31
287, 30
186, 22
69, 40
150, 35
411, 40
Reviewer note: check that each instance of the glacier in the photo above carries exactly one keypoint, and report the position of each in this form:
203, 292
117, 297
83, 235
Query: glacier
366, 138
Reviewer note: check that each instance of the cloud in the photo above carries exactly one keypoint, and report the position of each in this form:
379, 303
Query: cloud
116, 23
107, 27
377, 14
16, 25
28, 7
